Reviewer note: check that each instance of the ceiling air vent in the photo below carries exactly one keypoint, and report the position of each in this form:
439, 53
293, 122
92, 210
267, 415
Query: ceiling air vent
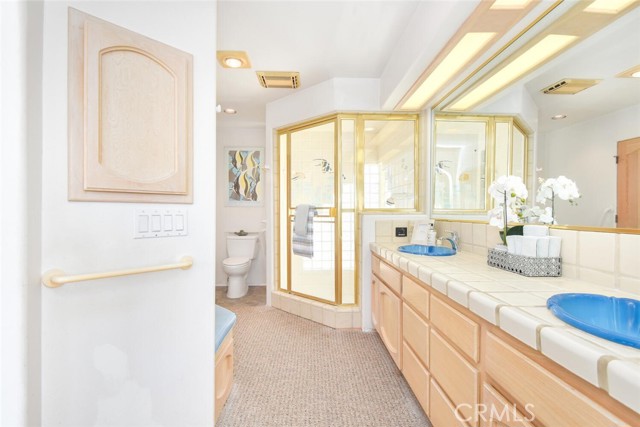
569, 86
279, 79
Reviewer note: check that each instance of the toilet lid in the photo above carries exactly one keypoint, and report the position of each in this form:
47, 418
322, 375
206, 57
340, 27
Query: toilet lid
236, 261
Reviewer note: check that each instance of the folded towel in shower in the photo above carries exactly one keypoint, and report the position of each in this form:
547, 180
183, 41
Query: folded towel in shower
303, 244
301, 220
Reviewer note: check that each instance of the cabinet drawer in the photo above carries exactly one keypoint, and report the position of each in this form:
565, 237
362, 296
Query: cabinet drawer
497, 412
391, 277
459, 329
456, 376
554, 402
416, 296
417, 376
441, 411
415, 332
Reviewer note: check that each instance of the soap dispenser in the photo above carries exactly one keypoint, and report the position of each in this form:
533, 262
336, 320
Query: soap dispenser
431, 234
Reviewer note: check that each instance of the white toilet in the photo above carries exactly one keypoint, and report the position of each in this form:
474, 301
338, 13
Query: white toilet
241, 250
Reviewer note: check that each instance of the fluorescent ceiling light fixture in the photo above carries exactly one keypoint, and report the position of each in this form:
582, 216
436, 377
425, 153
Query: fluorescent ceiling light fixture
536, 55
608, 6
467, 48
230, 111
559, 117
510, 4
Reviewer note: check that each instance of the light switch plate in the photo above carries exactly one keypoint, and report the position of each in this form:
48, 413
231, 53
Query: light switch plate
150, 223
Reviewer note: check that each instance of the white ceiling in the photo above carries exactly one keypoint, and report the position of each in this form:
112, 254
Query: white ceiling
602, 56
320, 39
326, 39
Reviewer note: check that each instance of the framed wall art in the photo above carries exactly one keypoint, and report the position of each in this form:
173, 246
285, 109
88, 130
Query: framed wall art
245, 186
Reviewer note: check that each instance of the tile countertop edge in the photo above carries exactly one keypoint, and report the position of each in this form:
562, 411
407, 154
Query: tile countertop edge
588, 357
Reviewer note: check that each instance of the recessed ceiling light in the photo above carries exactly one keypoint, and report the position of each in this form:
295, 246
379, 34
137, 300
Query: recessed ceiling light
559, 117
230, 111
369, 129
631, 72
233, 59
233, 62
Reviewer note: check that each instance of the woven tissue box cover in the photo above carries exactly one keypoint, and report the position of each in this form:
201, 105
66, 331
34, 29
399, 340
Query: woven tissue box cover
524, 265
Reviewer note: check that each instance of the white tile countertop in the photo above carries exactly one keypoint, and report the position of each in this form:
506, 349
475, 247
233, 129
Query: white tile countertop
517, 304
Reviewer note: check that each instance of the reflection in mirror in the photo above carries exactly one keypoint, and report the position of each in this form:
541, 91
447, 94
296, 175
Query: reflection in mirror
590, 88
389, 163
459, 164
467, 150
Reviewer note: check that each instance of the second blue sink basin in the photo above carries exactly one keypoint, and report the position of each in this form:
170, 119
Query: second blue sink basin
614, 319
427, 250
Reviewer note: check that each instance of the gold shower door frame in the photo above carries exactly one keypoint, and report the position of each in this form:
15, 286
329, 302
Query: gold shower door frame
331, 214
284, 210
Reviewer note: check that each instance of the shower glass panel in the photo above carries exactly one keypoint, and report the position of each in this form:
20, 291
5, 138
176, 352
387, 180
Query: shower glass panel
321, 163
312, 165
389, 164
460, 165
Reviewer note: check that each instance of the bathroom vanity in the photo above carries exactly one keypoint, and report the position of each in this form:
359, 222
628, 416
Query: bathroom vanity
479, 348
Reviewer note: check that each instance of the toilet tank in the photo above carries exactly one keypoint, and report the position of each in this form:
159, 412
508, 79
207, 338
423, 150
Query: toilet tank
242, 246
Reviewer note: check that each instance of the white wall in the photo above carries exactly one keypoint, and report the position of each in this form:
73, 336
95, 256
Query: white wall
135, 350
234, 218
21, 131
584, 152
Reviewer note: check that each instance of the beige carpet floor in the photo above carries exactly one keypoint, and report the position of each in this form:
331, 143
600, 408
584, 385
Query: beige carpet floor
293, 372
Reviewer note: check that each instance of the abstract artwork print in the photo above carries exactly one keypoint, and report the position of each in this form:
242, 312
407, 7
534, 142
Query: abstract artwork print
245, 187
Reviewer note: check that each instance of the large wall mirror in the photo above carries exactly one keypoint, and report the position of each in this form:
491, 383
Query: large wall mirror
582, 107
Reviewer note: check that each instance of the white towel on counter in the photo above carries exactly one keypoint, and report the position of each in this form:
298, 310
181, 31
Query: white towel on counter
542, 250
555, 244
529, 246
302, 244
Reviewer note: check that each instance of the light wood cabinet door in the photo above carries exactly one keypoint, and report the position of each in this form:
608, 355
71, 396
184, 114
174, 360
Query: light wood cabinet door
375, 306
390, 322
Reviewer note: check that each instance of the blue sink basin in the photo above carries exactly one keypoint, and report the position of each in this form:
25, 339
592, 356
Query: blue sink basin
614, 319
427, 250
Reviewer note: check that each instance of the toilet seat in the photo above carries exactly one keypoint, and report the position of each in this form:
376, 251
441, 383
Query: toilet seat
236, 261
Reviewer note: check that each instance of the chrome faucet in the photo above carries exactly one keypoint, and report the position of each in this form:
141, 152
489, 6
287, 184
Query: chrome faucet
453, 239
